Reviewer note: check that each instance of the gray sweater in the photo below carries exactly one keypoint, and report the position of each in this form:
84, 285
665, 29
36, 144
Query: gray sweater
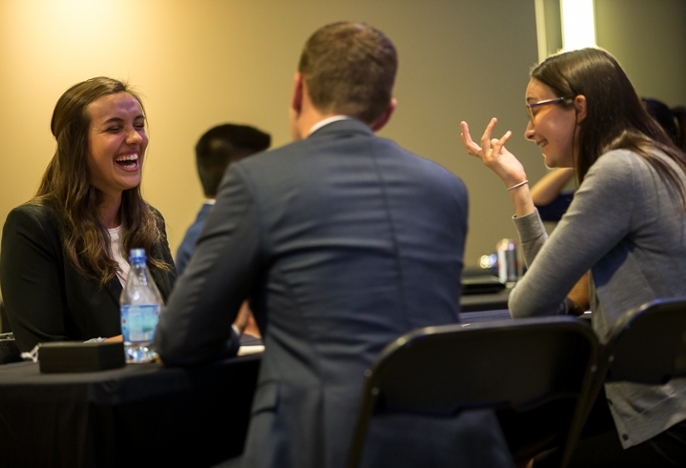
626, 225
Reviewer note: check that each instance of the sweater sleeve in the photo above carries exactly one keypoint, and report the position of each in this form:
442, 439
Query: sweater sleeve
599, 217
532, 235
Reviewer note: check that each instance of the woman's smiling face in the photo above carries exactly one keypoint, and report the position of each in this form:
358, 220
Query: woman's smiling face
117, 141
553, 126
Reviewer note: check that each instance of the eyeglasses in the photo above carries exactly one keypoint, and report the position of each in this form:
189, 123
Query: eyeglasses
530, 107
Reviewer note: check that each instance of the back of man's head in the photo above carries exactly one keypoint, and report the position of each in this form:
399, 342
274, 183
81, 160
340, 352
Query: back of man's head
223, 145
349, 68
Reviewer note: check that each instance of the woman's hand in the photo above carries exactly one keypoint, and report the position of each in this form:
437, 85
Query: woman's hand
493, 154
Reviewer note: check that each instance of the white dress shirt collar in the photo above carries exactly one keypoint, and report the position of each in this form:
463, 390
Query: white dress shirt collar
327, 121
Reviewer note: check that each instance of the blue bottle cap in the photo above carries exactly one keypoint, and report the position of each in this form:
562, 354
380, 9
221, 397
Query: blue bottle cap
137, 254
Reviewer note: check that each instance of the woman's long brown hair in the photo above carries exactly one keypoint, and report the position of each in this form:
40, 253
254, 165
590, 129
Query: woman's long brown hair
66, 187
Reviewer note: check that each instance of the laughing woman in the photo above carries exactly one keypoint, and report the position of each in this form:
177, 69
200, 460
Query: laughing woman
626, 225
63, 260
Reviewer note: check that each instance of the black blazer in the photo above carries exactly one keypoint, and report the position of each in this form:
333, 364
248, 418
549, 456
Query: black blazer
45, 297
344, 241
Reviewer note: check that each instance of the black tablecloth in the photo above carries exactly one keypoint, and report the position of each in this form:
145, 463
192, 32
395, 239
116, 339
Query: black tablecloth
139, 415
142, 414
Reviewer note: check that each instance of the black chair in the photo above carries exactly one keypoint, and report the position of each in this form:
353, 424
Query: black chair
4, 322
8, 348
530, 371
647, 345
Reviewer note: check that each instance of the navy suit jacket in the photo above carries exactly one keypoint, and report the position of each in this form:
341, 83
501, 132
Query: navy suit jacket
343, 241
187, 246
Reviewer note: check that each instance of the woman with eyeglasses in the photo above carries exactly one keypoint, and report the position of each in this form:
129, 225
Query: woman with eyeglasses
626, 225
551, 193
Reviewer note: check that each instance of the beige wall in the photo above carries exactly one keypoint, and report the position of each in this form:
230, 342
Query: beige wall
203, 62
649, 40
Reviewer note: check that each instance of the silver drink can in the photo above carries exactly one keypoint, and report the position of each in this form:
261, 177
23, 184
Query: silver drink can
507, 261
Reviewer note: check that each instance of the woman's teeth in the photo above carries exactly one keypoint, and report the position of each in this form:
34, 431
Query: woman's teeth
127, 160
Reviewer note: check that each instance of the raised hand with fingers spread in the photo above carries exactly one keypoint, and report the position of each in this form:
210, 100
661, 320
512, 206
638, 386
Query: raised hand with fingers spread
496, 157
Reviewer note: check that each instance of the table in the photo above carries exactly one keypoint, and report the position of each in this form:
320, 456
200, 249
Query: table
483, 302
138, 415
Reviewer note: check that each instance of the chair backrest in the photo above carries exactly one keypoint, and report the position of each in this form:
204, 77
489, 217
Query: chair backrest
9, 352
4, 322
515, 365
647, 345
8, 347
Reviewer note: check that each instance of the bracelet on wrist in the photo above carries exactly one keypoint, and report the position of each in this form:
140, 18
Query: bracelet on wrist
524, 182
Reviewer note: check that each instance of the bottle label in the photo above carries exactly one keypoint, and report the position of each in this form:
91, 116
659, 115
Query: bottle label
138, 322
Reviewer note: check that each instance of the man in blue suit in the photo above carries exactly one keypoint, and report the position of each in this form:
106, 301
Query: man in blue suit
342, 241
216, 149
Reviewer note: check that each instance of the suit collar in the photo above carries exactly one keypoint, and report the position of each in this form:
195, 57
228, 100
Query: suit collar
342, 126
326, 121
205, 208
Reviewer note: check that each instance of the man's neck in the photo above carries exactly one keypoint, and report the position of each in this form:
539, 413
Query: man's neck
305, 117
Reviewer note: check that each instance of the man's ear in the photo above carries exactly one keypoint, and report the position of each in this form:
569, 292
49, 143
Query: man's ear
297, 98
580, 106
385, 117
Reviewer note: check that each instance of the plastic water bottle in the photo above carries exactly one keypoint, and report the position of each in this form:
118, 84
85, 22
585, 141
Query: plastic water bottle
140, 305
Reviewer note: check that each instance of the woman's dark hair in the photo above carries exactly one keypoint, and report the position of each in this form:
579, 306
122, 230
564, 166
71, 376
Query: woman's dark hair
615, 115
66, 186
